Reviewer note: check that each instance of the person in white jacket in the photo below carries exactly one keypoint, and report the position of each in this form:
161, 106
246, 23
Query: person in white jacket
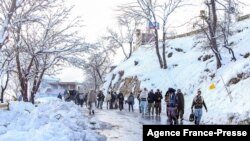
143, 97
108, 98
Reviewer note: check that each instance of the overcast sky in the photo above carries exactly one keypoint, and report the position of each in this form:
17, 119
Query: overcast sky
97, 15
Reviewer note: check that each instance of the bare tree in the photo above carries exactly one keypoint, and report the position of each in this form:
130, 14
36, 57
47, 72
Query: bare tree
116, 40
130, 24
4, 85
42, 39
215, 29
153, 11
98, 64
95, 64
7, 8
168, 9
210, 29
230, 8
6, 61
146, 9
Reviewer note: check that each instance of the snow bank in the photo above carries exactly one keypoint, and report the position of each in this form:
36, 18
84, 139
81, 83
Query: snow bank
50, 120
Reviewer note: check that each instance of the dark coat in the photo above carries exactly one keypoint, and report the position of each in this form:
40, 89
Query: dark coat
158, 97
120, 97
151, 97
180, 101
131, 99
100, 96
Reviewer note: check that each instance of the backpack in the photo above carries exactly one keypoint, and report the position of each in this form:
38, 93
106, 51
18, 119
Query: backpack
173, 100
130, 99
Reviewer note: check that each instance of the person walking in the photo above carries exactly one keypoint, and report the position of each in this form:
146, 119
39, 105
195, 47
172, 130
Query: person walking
158, 98
91, 101
172, 103
139, 100
100, 98
143, 99
81, 99
115, 106
198, 103
121, 100
108, 100
151, 102
131, 102
180, 107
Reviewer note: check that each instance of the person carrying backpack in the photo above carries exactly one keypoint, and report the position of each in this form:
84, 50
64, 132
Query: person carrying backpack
172, 103
198, 103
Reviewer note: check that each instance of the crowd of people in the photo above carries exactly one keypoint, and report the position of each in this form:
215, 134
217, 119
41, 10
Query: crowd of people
150, 103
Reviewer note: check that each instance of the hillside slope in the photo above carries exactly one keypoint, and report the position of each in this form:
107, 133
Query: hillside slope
189, 69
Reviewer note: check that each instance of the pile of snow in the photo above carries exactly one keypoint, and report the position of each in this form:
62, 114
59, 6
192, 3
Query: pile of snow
187, 73
49, 120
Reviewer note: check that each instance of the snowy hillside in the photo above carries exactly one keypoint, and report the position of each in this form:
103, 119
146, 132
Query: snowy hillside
189, 69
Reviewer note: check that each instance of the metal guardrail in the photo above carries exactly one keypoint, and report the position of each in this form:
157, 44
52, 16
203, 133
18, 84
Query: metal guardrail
242, 18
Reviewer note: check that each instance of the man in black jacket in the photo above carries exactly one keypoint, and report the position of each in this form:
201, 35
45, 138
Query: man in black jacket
151, 100
158, 98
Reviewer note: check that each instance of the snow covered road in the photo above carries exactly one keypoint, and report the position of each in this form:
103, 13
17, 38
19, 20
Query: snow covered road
53, 120
127, 125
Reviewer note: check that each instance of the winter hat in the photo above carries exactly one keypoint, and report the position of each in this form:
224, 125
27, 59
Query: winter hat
171, 90
179, 91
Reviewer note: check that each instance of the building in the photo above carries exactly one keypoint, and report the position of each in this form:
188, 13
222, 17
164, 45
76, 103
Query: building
53, 86
144, 38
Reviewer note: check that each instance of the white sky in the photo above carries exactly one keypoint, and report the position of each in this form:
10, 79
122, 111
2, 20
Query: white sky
97, 15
